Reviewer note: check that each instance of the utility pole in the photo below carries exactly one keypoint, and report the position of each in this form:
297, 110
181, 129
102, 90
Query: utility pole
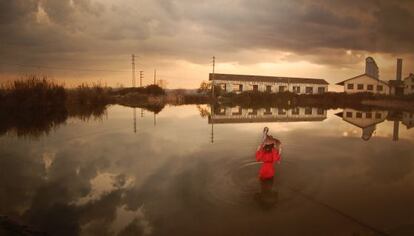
212, 82
155, 76
141, 76
133, 70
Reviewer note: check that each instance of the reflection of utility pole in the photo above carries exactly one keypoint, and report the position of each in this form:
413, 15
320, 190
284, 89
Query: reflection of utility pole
142, 112
141, 76
135, 120
212, 122
396, 130
212, 79
133, 70
155, 119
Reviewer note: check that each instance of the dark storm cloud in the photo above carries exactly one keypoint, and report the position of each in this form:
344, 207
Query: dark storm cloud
191, 30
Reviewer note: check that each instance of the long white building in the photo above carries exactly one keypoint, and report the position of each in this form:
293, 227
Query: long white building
240, 83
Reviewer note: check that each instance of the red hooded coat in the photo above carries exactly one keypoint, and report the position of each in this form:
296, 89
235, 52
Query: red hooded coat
267, 170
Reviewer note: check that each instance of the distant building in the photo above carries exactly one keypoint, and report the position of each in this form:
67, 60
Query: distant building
240, 83
367, 82
366, 120
226, 115
409, 84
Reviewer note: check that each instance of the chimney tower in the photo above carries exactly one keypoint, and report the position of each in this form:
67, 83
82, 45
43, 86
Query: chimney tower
399, 69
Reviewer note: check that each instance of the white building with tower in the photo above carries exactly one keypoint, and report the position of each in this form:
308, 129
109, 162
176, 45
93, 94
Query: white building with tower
370, 82
367, 82
241, 83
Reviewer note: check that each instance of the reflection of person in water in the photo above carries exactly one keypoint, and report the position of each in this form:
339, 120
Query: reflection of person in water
267, 197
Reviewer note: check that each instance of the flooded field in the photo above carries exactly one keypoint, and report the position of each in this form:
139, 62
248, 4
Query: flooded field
190, 170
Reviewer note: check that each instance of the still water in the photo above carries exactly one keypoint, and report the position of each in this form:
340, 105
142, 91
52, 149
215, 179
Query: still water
190, 170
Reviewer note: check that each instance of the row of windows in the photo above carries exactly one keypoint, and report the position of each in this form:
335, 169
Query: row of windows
280, 111
282, 88
368, 115
369, 87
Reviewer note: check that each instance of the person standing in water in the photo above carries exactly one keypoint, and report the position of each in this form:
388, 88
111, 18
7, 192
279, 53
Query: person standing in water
268, 152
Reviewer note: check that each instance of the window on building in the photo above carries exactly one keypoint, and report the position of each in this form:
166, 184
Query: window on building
309, 90
308, 111
282, 88
380, 87
349, 114
359, 115
378, 116
238, 111
255, 88
268, 88
221, 111
412, 87
370, 87
281, 111
296, 89
350, 86
237, 87
320, 111
368, 115
268, 111
223, 87
295, 111
253, 112
321, 90
360, 86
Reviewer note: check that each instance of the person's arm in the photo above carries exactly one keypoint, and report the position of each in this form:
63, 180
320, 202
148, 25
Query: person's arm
276, 156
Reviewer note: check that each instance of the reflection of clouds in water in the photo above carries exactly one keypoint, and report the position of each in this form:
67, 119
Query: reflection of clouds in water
130, 222
48, 158
105, 183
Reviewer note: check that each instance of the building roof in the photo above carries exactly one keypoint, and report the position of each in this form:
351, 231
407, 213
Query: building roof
411, 75
343, 82
259, 78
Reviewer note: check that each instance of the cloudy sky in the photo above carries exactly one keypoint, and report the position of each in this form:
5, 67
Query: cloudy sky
92, 40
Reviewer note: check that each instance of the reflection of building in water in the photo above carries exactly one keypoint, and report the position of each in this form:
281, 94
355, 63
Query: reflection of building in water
408, 119
271, 84
366, 120
249, 115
